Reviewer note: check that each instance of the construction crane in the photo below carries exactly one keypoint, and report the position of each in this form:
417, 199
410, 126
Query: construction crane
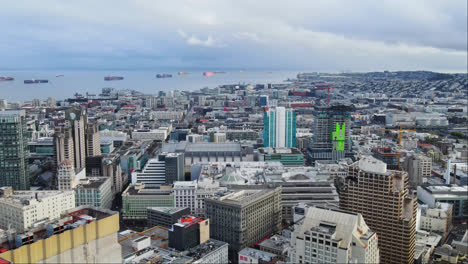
399, 138
325, 87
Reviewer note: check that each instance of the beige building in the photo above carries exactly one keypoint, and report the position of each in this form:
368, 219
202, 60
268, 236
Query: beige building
333, 236
93, 140
382, 197
436, 219
93, 240
23, 209
68, 176
63, 145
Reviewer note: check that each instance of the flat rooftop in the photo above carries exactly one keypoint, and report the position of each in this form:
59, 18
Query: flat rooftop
444, 189
167, 210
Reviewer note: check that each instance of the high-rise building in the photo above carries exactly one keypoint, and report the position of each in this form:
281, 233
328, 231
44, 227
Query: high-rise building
93, 140
36, 103
331, 140
63, 145
51, 102
3, 104
14, 152
418, 167
245, 217
111, 168
22, 209
77, 120
94, 191
166, 169
174, 164
382, 197
279, 128
68, 176
333, 236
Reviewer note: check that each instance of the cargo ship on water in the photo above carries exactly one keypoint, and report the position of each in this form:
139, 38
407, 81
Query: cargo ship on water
163, 75
113, 78
182, 73
60, 75
35, 81
208, 73
219, 72
6, 78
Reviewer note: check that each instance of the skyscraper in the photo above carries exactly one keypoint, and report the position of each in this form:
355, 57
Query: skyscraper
331, 130
63, 145
14, 153
93, 140
280, 128
77, 120
382, 197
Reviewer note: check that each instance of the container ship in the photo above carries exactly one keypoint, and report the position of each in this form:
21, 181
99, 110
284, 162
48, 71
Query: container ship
208, 73
36, 81
113, 78
60, 75
219, 72
182, 73
6, 78
163, 75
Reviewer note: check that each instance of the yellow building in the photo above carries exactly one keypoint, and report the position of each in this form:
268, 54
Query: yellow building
90, 237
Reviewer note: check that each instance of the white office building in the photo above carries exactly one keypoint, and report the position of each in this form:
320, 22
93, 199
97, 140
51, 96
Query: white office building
333, 236
23, 210
154, 173
150, 134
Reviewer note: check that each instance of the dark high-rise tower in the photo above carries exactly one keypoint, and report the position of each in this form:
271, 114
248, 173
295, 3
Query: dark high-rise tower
331, 140
382, 197
14, 153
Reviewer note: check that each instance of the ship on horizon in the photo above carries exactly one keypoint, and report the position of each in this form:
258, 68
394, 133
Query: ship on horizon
6, 78
113, 78
60, 75
182, 73
219, 72
35, 81
163, 75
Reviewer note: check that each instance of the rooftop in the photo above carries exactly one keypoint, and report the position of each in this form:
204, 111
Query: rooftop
92, 182
205, 248
450, 189
257, 254
167, 210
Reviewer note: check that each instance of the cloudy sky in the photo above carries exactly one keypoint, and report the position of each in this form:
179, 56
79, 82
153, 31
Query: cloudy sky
320, 35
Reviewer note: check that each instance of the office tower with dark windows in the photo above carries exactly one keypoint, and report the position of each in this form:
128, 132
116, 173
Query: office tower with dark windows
331, 128
14, 152
383, 199
244, 218
279, 128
